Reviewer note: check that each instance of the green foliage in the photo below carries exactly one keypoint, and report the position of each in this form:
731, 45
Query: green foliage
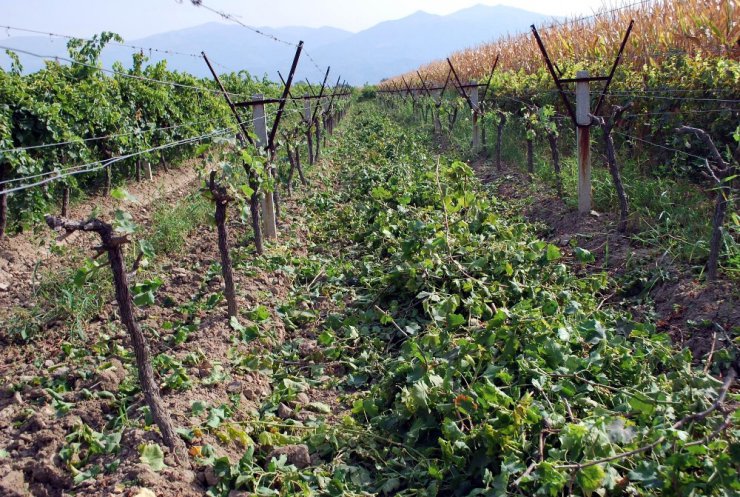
78, 103
481, 346
152, 456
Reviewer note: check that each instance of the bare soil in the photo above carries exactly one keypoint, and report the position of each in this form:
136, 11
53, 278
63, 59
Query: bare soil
25, 256
47, 391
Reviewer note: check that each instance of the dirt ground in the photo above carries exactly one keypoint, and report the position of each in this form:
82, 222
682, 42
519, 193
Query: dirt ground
23, 257
37, 422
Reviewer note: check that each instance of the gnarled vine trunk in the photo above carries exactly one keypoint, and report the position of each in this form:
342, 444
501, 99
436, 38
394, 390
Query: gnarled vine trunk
222, 199
309, 137
254, 209
318, 141
611, 158
113, 246
553, 141
499, 138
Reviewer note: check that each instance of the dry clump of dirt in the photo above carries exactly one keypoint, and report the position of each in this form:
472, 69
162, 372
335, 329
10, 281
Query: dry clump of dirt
696, 315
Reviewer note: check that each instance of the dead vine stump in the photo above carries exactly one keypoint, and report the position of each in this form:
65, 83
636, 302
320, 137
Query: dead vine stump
221, 198
611, 158
720, 173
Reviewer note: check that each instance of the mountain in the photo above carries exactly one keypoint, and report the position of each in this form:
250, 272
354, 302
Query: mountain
383, 50
393, 47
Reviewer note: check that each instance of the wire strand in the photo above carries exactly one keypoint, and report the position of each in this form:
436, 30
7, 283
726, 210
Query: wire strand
58, 170
232, 18
659, 145
139, 48
105, 163
104, 137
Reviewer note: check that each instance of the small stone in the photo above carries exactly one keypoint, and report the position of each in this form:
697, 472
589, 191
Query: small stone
210, 475
188, 476
4, 287
284, 412
145, 492
48, 363
302, 398
297, 455
112, 377
235, 387
60, 372
145, 475
309, 348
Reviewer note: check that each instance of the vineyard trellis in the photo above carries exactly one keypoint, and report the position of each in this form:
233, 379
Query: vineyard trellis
539, 109
158, 89
471, 359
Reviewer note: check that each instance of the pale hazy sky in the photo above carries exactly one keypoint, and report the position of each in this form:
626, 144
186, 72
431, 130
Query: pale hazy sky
137, 18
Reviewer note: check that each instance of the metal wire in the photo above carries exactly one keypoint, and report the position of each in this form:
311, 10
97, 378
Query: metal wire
232, 18
659, 145
57, 171
105, 163
105, 137
594, 15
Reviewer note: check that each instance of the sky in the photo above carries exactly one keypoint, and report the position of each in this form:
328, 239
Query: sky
139, 18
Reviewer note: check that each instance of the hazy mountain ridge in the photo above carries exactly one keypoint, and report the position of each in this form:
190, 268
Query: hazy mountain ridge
383, 50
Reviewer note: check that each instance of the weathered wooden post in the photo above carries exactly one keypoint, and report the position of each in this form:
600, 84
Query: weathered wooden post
317, 130
476, 115
307, 116
4, 172
583, 135
65, 200
269, 226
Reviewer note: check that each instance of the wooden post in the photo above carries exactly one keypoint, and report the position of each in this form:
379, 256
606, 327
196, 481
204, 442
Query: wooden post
325, 120
65, 200
307, 115
269, 226
583, 134
149, 171
317, 128
4, 173
476, 115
